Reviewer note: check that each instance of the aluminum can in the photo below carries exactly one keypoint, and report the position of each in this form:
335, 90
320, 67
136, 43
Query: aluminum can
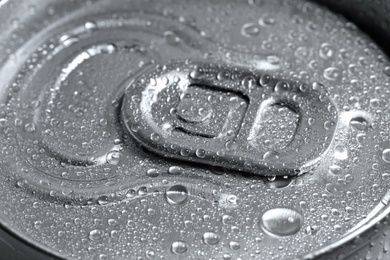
142, 129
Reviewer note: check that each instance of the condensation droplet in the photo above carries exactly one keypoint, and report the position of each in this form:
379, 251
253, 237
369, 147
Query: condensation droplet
179, 247
281, 222
177, 195
210, 238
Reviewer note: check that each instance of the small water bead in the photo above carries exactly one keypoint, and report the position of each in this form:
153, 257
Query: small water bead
175, 170
302, 52
184, 152
142, 191
150, 253
250, 30
232, 200
340, 152
386, 70
281, 222
103, 200
234, 245
177, 195
271, 156
332, 73
282, 87
267, 20
30, 127
265, 79
152, 173
113, 157
200, 153
89, 25
154, 137
134, 127
210, 238
335, 169
179, 247
227, 219
359, 123
375, 103
95, 234
386, 155
37, 224
223, 75
326, 51
3, 122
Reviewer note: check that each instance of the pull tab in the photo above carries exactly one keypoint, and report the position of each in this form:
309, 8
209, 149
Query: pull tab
219, 115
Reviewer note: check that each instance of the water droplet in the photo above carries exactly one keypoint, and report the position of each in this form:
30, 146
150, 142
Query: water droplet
30, 127
302, 52
134, 127
152, 173
265, 79
113, 157
332, 73
267, 20
271, 156
232, 200
281, 87
200, 153
386, 70
234, 245
386, 155
359, 123
326, 51
150, 253
3, 122
177, 195
142, 191
103, 200
95, 234
90, 25
210, 238
179, 247
38, 224
227, 219
154, 137
250, 30
340, 152
175, 170
281, 222
335, 169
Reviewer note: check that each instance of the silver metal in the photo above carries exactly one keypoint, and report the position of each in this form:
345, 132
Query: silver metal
76, 181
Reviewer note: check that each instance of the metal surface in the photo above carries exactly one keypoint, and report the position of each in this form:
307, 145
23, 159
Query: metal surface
76, 184
216, 115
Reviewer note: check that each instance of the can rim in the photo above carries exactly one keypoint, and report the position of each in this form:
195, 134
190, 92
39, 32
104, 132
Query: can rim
350, 236
344, 241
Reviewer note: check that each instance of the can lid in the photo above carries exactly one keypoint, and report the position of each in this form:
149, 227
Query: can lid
271, 116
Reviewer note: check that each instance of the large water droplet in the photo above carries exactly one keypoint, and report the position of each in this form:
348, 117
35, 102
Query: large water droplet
281, 222
113, 157
177, 194
359, 123
340, 152
210, 238
175, 170
179, 247
95, 234
386, 155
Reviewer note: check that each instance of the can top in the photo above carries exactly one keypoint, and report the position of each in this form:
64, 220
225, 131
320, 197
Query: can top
184, 130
